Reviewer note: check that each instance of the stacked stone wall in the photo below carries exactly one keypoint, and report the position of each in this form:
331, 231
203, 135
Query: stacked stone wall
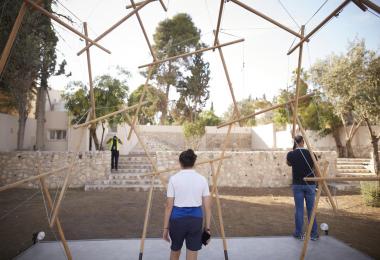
90, 166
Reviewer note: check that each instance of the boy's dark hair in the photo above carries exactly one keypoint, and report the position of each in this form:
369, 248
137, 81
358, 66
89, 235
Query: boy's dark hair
297, 140
187, 158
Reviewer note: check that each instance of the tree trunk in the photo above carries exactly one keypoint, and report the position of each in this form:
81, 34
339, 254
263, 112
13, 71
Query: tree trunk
22, 117
94, 137
338, 143
40, 115
165, 107
102, 139
349, 150
375, 146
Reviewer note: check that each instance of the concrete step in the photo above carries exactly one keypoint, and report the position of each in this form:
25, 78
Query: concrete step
136, 154
100, 187
354, 171
355, 174
351, 166
132, 182
127, 171
137, 167
138, 162
353, 159
125, 176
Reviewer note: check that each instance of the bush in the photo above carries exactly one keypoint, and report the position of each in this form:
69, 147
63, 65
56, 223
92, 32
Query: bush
371, 193
193, 133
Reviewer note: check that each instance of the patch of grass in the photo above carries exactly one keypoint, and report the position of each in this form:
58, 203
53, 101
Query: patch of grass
371, 193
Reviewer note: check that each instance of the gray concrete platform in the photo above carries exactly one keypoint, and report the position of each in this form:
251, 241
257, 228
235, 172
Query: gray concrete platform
280, 248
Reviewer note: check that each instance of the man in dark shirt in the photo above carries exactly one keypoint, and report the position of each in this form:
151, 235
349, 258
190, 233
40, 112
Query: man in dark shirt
113, 144
302, 166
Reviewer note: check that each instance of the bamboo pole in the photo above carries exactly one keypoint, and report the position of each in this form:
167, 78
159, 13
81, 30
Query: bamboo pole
312, 218
319, 26
56, 207
295, 111
55, 18
12, 36
114, 26
61, 234
219, 209
141, 142
179, 168
216, 32
371, 5
316, 165
228, 78
146, 218
265, 17
145, 89
140, 3
163, 5
32, 178
107, 116
263, 111
144, 32
363, 178
137, 4
92, 98
190, 53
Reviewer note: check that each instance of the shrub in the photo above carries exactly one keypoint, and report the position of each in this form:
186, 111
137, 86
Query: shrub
371, 193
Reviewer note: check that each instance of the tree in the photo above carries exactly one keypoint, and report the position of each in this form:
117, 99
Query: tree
172, 37
24, 63
193, 89
156, 103
343, 78
248, 106
109, 94
208, 118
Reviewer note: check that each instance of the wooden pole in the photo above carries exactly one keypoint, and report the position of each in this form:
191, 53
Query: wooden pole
137, 4
312, 218
363, 178
107, 116
55, 18
371, 5
144, 32
319, 26
12, 36
114, 26
216, 32
228, 77
263, 111
49, 201
316, 165
55, 211
295, 111
219, 209
32, 178
163, 5
179, 168
92, 97
265, 17
140, 3
145, 89
189, 54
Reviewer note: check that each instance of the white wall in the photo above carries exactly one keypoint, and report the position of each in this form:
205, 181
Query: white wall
263, 137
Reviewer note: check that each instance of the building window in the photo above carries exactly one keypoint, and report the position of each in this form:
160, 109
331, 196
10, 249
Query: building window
57, 135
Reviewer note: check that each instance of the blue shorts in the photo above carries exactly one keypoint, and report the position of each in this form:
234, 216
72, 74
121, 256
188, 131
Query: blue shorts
186, 228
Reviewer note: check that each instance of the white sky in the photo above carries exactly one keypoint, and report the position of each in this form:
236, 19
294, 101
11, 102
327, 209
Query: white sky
258, 65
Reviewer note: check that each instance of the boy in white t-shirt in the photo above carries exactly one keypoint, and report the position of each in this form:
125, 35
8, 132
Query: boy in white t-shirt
187, 192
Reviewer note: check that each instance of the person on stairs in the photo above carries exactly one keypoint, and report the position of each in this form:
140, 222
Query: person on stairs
302, 166
187, 192
113, 144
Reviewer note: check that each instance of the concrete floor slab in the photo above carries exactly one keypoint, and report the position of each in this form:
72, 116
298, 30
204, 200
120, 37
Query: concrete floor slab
280, 248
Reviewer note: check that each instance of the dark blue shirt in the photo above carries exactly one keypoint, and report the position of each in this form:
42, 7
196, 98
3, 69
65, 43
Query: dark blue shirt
302, 166
180, 212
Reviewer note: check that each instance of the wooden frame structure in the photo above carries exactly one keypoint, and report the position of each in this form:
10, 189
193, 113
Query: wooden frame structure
236, 117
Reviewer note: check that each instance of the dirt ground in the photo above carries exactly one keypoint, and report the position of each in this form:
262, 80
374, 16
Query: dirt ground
120, 214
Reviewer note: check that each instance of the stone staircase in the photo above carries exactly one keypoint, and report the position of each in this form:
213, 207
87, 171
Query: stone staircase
129, 175
351, 167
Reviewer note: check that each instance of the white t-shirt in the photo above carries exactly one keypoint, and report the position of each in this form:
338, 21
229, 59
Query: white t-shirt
187, 187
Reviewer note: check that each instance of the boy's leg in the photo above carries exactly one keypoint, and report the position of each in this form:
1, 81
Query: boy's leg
174, 255
310, 198
112, 159
298, 209
191, 255
116, 159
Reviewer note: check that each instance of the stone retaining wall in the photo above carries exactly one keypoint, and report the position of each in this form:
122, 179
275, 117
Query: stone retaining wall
247, 169
20, 165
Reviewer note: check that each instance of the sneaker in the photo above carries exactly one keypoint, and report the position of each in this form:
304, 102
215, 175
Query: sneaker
315, 238
299, 237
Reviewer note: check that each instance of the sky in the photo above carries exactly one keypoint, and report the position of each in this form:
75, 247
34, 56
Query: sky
257, 66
